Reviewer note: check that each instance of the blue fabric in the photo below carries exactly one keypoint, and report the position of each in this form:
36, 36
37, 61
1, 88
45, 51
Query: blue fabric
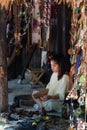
78, 62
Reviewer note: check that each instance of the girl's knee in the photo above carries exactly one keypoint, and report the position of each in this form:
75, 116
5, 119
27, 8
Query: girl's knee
33, 96
48, 106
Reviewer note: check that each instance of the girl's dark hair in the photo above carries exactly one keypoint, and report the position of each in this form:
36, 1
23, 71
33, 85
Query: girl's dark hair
60, 60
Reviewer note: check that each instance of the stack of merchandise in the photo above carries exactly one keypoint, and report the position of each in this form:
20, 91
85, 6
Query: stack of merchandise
78, 57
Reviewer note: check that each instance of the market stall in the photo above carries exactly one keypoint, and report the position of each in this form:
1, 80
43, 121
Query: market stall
33, 22
78, 57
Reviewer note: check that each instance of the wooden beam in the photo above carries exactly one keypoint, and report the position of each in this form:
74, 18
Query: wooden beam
3, 68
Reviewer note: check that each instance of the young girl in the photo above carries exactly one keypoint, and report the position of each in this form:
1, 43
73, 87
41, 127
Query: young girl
52, 97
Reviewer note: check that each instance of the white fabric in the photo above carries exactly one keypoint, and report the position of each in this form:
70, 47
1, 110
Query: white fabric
36, 37
43, 58
59, 87
56, 86
48, 33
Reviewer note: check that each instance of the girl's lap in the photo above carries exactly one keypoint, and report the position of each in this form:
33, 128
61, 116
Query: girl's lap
53, 104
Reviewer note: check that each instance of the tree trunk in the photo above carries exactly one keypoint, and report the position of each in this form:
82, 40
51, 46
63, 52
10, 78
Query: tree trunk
3, 64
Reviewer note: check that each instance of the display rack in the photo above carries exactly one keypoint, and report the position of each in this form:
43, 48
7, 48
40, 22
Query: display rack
78, 56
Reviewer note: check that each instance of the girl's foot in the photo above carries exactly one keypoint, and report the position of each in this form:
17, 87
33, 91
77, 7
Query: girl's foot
42, 111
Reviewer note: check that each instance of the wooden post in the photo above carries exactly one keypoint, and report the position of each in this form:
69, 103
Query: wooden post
3, 68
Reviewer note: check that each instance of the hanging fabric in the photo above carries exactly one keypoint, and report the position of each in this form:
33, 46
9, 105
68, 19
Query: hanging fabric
36, 29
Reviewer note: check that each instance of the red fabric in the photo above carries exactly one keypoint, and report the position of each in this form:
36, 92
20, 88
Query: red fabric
7, 12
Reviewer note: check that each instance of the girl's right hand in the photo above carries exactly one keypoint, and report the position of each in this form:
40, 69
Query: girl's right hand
44, 98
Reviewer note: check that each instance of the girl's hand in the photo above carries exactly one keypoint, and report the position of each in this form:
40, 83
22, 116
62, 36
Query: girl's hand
54, 97
45, 98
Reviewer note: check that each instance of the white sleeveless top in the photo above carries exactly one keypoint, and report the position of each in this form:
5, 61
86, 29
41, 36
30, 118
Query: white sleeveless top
56, 86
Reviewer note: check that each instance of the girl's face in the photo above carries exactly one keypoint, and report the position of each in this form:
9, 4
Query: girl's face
54, 66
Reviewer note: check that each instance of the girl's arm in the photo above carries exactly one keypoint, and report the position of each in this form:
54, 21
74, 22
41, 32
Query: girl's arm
41, 93
55, 96
47, 97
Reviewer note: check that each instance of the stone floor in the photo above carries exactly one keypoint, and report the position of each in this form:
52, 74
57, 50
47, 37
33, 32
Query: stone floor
25, 88
16, 89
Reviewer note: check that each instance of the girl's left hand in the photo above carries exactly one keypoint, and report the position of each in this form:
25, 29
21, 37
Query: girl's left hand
45, 98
